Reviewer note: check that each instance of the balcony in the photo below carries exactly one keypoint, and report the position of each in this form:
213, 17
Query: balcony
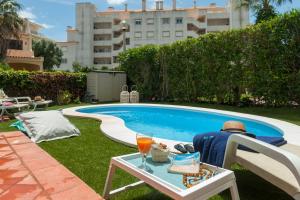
102, 49
201, 19
102, 25
102, 37
119, 45
117, 21
192, 27
102, 54
218, 22
103, 43
218, 28
119, 32
102, 31
102, 61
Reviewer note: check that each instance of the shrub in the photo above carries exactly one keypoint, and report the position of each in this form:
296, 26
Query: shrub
143, 69
4, 66
246, 100
45, 84
77, 67
64, 97
104, 68
263, 58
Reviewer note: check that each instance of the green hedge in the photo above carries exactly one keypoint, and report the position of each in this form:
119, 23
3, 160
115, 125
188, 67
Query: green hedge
263, 60
45, 84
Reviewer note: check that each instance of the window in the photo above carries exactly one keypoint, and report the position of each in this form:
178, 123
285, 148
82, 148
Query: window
15, 44
179, 20
64, 60
166, 33
165, 20
127, 41
150, 34
150, 21
179, 33
138, 22
138, 34
115, 59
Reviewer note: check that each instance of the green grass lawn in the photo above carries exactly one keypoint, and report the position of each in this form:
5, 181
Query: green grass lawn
88, 157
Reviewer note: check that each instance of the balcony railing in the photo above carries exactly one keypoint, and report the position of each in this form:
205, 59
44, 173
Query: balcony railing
99, 61
102, 25
102, 37
117, 21
192, 27
117, 33
201, 19
119, 45
218, 22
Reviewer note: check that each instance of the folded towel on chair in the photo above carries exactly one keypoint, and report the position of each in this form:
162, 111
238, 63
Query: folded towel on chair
212, 146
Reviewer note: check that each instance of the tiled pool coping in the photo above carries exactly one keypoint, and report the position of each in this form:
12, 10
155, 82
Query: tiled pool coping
115, 128
27, 172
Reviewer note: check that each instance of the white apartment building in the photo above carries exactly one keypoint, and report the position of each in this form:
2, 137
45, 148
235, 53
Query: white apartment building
98, 37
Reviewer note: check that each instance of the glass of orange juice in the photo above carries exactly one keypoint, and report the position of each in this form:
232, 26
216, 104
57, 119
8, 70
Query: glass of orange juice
144, 143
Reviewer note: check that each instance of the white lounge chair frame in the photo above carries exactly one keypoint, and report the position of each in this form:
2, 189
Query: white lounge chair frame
17, 105
43, 105
290, 160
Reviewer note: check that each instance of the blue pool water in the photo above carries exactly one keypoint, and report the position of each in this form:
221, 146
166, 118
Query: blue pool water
176, 123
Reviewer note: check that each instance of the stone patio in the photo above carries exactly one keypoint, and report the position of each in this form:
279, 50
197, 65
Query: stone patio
29, 173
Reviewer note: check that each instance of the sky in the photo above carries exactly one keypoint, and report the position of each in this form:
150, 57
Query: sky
56, 15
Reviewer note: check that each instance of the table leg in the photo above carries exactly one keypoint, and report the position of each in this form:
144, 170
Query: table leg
34, 107
108, 182
234, 191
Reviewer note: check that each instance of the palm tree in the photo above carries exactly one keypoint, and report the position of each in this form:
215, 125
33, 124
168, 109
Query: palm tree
264, 9
10, 23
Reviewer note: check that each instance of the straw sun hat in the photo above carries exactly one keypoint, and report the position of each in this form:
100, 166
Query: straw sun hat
234, 126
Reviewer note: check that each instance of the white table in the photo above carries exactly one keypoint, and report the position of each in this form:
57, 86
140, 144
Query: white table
169, 184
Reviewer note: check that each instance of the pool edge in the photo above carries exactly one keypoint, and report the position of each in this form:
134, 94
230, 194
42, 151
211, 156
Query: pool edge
112, 126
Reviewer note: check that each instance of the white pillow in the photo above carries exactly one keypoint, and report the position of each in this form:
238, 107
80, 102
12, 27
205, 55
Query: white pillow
47, 125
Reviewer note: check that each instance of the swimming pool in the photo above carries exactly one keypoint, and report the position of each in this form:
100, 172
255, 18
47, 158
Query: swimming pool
175, 123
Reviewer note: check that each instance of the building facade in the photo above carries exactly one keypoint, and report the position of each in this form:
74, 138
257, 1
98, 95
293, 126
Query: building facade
98, 37
19, 53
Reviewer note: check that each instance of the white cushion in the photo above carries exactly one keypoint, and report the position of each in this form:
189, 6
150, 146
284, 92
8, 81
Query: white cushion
47, 125
2, 94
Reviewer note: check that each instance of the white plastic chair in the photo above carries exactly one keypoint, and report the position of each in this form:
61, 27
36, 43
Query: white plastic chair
276, 165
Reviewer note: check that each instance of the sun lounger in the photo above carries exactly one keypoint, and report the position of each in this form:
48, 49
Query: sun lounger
278, 165
36, 105
6, 109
